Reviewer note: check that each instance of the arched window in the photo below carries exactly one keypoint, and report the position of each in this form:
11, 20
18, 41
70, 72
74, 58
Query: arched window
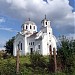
26, 27
38, 46
46, 23
30, 27
31, 43
23, 27
21, 46
49, 32
34, 27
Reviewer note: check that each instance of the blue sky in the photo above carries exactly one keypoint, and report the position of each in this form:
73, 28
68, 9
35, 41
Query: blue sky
13, 13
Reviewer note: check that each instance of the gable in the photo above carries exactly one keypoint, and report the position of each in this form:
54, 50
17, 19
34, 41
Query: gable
19, 37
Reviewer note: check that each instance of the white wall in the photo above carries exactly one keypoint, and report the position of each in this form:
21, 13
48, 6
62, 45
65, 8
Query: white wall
25, 45
44, 45
19, 39
37, 43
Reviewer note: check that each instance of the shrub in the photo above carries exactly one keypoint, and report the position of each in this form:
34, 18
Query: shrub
7, 68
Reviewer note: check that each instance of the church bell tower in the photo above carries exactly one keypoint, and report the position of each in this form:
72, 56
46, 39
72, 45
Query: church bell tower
45, 22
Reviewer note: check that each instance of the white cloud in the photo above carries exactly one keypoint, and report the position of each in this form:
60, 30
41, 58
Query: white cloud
2, 45
58, 11
17, 3
71, 36
2, 19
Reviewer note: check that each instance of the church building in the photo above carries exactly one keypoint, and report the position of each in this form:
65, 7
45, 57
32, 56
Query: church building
29, 40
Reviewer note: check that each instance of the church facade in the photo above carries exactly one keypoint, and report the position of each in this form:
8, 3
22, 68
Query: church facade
29, 40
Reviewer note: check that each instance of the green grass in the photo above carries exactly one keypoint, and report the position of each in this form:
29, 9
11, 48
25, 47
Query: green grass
23, 59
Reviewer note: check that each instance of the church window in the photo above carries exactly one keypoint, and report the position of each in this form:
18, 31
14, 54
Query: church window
21, 46
33, 43
34, 27
23, 27
26, 27
46, 23
38, 46
30, 27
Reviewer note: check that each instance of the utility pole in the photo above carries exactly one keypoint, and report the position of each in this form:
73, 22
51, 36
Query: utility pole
55, 63
50, 59
17, 61
50, 50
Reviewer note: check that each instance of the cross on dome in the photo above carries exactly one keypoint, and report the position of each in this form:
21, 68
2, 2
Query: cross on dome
29, 19
45, 16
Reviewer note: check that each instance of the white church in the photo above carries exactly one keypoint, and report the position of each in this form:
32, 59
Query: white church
29, 40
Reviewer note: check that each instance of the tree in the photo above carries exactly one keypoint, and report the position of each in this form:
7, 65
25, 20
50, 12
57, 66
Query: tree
66, 54
9, 45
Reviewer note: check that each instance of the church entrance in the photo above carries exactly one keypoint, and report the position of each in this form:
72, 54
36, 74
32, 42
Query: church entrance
31, 50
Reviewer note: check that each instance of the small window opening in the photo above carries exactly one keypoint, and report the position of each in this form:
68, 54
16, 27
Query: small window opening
33, 43
23, 27
46, 23
30, 27
38, 46
26, 27
21, 46
34, 27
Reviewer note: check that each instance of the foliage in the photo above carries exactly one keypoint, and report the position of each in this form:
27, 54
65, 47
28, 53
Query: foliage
4, 55
66, 55
9, 45
7, 68
38, 63
37, 60
1, 54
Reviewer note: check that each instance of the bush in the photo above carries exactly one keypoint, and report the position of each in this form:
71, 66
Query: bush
37, 60
7, 68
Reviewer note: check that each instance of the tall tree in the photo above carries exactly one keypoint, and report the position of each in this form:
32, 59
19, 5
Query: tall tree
66, 54
9, 46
